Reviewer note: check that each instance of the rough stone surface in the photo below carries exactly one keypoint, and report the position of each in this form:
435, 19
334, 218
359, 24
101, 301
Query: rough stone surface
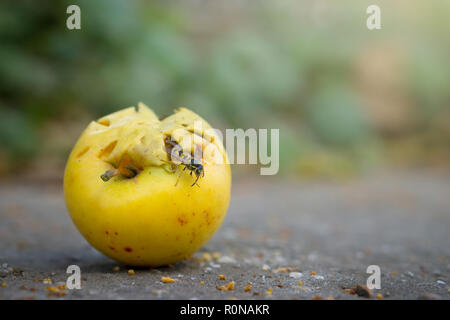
399, 222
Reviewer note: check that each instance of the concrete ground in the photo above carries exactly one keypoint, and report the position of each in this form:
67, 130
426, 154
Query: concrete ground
275, 235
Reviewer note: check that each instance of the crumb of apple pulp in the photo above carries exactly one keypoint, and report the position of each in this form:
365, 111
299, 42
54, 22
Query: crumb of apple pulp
348, 290
285, 270
379, 296
52, 289
202, 282
3, 284
216, 255
222, 277
248, 288
131, 272
269, 291
55, 291
227, 287
300, 283
313, 273
206, 257
116, 268
167, 280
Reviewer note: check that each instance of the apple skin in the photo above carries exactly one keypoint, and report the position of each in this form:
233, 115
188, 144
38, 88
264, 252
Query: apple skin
153, 219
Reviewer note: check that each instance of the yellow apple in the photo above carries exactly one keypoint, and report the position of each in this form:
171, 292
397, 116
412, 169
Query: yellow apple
135, 200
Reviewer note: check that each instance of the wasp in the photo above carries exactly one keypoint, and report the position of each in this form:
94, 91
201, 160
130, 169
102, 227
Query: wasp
190, 163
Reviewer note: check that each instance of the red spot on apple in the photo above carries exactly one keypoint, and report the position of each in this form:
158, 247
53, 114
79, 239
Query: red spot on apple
181, 221
208, 220
128, 249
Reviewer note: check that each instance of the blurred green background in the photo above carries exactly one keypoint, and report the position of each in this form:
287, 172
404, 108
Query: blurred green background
346, 100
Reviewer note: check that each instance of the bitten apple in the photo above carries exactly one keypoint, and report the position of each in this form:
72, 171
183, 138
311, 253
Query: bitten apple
133, 199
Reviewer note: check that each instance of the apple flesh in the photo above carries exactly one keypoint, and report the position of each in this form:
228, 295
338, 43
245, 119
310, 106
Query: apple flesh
145, 211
